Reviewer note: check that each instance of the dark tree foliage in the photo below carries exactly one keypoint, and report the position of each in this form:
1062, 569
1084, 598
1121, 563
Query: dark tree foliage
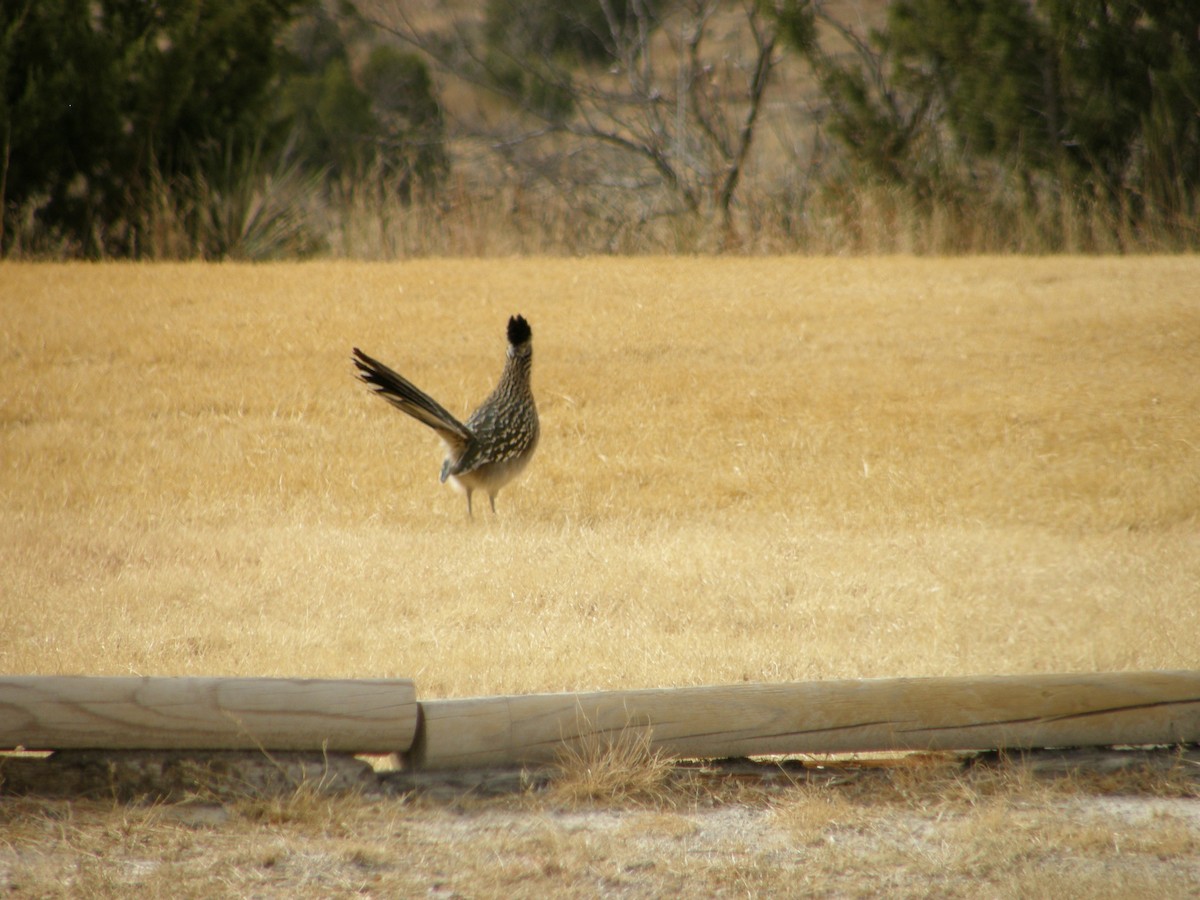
383, 121
410, 121
985, 61
1101, 97
112, 108
100, 97
1127, 93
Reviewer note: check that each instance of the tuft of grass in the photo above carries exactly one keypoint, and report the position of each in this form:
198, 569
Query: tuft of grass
306, 806
612, 770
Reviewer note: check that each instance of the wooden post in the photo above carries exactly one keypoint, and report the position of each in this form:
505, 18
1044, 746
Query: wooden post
65, 712
821, 717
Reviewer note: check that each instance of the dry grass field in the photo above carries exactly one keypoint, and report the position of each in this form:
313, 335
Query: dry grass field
750, 469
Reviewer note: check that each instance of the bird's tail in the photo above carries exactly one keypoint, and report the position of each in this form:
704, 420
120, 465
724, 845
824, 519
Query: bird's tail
407, 397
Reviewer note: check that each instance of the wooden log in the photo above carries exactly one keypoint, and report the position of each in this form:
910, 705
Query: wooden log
67, 712
1013, 712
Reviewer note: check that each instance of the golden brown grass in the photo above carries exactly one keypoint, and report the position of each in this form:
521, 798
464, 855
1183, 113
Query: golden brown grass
751, 470
763, 470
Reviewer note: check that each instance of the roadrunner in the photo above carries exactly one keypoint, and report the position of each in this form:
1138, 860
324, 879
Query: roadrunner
498, 439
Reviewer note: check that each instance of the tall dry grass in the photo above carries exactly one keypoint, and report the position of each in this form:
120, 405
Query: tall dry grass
486, 212
750, 470
258, 213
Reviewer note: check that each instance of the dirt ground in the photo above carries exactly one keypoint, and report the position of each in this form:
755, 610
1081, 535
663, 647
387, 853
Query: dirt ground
1084, 824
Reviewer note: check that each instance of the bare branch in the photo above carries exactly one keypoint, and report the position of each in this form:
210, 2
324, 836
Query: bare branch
762, 70
682, 120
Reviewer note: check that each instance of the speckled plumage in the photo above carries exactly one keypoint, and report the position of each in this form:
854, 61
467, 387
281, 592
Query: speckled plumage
497, 440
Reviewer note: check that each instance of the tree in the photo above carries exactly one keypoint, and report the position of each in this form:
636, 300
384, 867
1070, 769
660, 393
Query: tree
880, 124
984, 62
1100, 99
103, 100
635, 98
1127, 90
381, 121
410, 129
118, 115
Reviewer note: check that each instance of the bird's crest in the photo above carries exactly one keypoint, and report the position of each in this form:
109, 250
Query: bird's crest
518, 330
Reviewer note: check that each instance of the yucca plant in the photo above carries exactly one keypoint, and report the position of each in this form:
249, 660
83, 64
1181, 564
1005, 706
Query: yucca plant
256, 213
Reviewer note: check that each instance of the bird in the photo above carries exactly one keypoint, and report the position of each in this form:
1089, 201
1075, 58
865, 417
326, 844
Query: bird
498, 439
